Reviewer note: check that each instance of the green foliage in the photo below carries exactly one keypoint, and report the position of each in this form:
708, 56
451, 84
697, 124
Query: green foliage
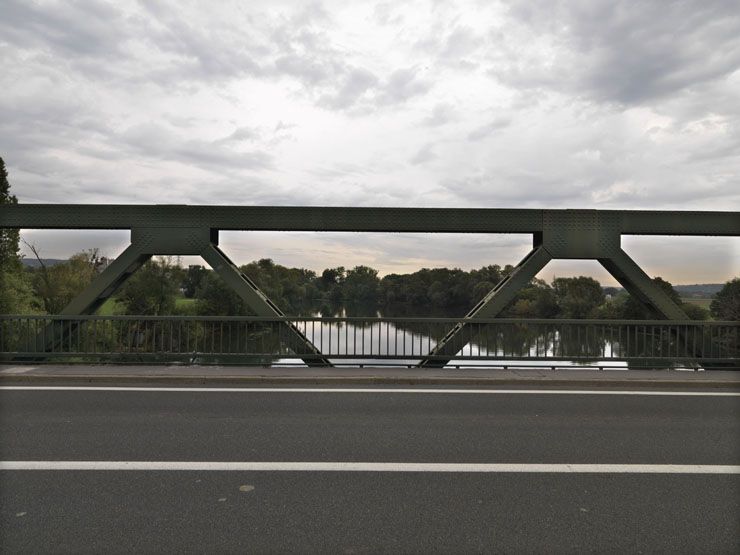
291, 289
330, 284
193, 277
360, 284
536, 300
215, 298
9, 258
55, 286
726, 303
695, 312
16, 296
578, 297
16, 293
635, 310
152, 290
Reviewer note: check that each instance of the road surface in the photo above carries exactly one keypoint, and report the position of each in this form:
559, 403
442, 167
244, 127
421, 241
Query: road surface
370, 470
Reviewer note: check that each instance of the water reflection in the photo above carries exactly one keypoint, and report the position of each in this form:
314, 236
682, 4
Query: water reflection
370, 342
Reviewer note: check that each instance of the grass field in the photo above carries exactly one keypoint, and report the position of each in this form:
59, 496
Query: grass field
182, 306
109, 308
704, 303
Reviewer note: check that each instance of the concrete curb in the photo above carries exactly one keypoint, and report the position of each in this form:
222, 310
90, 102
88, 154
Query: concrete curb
606, 382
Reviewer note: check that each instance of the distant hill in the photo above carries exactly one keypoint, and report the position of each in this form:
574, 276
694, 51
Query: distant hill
34, 263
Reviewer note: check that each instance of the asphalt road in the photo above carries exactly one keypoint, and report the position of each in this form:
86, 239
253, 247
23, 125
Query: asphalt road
204, 510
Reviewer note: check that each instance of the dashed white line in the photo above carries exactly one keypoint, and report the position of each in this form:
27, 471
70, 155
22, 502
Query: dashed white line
374, 467
386, 391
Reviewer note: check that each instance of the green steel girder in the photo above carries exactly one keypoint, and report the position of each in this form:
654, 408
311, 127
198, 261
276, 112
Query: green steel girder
317, 218
566, 234
559, 234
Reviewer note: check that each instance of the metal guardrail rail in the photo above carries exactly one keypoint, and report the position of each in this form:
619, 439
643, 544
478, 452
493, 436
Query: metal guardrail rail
266, 340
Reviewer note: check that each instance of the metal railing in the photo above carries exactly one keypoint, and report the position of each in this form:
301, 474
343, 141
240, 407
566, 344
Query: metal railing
255, 340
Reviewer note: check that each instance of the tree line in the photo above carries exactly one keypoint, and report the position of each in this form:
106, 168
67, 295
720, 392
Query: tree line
163, 287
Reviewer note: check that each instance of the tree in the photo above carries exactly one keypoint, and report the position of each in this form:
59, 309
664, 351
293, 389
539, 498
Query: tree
695, 312
152, 290
635, 310
361, 284
16, 295
578, 297
536, 300
215, 298
330, 284
9, 258
726, 303
57, 285
193, 277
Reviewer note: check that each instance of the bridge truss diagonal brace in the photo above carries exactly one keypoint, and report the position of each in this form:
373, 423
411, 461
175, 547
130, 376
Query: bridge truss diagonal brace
92, 298
488, 307
259, 302
638, 284
109, 280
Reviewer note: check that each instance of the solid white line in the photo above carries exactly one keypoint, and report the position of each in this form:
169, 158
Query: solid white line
375, 467
386, 391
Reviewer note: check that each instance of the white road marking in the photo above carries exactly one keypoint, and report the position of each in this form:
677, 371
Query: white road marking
386, 391
375, 467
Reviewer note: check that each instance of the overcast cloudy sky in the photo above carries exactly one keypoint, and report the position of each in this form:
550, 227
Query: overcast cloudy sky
546, 104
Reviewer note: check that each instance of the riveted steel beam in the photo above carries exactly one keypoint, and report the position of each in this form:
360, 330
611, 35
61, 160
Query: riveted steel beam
318, 218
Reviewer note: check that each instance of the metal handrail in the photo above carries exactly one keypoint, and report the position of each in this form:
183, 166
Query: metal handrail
217, 339
400, 319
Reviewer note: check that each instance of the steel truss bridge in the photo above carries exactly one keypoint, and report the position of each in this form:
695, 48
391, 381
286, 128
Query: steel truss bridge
194, 230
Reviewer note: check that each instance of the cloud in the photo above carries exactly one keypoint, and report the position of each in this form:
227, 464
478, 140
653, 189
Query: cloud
442, 114
578, 104
612, 51
423, 155
402, 85
512, 189
75, 28
485, 130
355, 84
241, 134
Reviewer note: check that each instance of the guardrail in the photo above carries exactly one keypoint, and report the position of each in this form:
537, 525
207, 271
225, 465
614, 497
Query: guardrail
259, 340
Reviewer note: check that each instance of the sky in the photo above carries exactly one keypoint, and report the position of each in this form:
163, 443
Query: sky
603, 104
